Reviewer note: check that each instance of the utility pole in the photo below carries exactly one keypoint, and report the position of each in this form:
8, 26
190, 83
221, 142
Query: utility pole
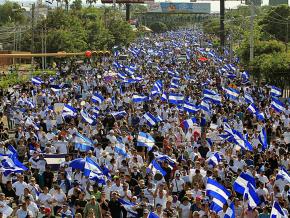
252, 31
222, 25
287, 34
127, 11
32, 32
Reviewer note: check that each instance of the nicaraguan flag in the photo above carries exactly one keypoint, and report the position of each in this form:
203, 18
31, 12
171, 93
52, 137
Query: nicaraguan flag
275, 91
151, 120
218, 192
155, 167
248, 98
283, 174
245, 76
153, 215
86, 117
36, 81
212, 96
175, 98
55, 88
30, 122
30, 104
139, 98
69, 111
204, 106
95, 110
189, 123
260, 116
164, 97
10, 164
277, 105
263, 138
191, 108
252, 108
129, 70
214, 159
119, 114
163, 157
277, 211
92, 166
82, 143
97, 98
121, 149
129, 206
252, 196
122, 76
157, 87
231, 93
174, 84
240, 140
145, 140
230, 212
241, 183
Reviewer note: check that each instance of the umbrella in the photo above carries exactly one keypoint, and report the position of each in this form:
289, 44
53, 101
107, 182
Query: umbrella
78, 163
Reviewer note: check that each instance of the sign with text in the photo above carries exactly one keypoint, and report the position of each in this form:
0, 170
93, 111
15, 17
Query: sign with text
122, 1
169, 7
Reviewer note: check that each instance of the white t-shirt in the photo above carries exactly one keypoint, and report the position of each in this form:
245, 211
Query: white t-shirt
185, 210
44, 198
177, 185
19, 187
20, 213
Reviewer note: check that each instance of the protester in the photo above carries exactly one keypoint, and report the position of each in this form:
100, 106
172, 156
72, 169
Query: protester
174, 130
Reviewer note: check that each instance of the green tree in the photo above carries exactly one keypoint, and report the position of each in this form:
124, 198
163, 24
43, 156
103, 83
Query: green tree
275, 22
76, 5
158, 27
11, 12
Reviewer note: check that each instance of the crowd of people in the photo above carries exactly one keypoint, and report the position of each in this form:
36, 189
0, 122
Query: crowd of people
208, 120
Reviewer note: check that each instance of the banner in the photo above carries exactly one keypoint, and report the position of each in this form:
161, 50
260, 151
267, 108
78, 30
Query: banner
169, 7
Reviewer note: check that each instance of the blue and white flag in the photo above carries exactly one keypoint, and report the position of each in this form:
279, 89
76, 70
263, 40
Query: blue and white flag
175, 98
163, 97
248, 98
252, 196
260, 116
145, 140
189, 123
218, 192
162, 157
157, 88
139, 98
151, 120
10, 164
277, 105
283, 174
155, 167
87, 118
120, 148
82, 143
30, 104
245, 76
122, 76
97, 98
240, 140
232, 94
275, 91
252, 108
95, 110
241, 183
129, 70
152, 215
277, 211
212, 96
36, 81
128, 206
55, 88
214, 159
30, 122
119, 114
263, 138
191, 108
230, 212
92, 166
69, 111
174, 83
204, 106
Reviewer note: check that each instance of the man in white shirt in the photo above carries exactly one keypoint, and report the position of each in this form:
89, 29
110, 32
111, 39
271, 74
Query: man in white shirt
177, 184
19, 186
23, 211
31, 206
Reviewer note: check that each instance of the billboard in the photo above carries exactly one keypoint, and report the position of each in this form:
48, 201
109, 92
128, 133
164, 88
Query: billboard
122, 1
169, 7
277, 2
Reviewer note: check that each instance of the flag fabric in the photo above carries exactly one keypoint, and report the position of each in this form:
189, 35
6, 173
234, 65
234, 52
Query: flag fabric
82, 143
157, 87
152, 215
241, 183
10, 164
30, 122
87, 118
151, 120
245, 76
214, 159
263, 138
248, 98
252, 108
139, 98
78, 163
163, 97
232, 94
175, 98
91, 166
128, 206
174, 84
277, 211
69, 111
275, 91
145, 140
212, 96
191, 108
97, 98
252, 196
55, 88
240, 140
218, 192
283, 174
189, 123
277, 105
119, 114
36, 81
156, 168
230, 212
121, 149
204, 106
163, 157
